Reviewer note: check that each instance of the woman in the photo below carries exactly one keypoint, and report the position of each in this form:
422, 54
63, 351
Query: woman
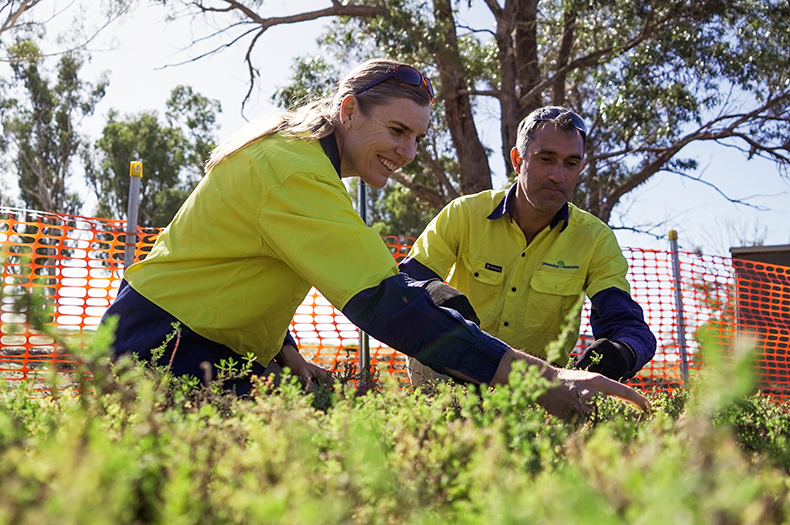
272, 218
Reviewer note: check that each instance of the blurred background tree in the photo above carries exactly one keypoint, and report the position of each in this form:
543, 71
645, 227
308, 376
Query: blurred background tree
173, 153
650, 78
40, 126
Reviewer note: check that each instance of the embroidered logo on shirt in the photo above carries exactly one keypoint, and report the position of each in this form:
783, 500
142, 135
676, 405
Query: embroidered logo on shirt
561, 265
493, 268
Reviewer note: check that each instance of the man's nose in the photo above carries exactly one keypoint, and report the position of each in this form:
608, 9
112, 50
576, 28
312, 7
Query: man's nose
558, 173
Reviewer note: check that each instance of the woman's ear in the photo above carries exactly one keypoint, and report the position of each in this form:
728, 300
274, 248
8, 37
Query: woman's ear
347, 110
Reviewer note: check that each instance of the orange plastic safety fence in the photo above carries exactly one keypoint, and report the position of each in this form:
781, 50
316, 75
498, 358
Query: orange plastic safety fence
762, 296
329, 338
77, 264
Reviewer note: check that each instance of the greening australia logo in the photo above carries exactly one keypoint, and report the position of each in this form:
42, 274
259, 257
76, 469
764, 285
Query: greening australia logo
561, 265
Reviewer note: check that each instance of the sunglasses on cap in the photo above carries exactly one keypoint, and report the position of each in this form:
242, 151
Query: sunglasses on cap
552, 113
406, 74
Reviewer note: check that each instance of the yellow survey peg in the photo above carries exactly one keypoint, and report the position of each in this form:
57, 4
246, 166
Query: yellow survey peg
135, 169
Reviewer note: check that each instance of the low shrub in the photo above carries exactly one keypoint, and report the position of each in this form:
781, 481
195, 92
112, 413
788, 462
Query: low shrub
134, 445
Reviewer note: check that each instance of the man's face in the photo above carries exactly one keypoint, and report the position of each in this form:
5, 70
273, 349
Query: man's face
549, 170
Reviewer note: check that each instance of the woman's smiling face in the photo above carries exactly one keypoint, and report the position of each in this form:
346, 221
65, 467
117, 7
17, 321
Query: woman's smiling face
374, 146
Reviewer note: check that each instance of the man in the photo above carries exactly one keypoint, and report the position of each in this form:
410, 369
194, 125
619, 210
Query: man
524, 256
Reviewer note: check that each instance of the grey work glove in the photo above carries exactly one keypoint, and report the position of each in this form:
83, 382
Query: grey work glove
612, 359
445, 295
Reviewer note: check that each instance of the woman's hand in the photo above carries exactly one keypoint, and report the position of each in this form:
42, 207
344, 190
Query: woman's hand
304, 369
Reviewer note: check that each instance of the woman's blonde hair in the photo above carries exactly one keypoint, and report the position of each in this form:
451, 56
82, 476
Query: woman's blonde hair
317, 119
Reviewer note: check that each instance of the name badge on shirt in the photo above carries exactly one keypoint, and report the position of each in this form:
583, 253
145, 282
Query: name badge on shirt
493, 268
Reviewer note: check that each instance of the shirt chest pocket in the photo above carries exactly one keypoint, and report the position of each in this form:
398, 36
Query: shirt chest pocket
551, 297
481, 281
483, 272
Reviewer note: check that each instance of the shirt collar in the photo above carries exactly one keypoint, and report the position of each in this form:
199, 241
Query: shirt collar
507, 201
329, 143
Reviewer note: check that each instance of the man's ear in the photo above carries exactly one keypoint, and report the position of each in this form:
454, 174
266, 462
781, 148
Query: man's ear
515, 158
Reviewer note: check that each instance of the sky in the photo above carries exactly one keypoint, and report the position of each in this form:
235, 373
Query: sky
141, 51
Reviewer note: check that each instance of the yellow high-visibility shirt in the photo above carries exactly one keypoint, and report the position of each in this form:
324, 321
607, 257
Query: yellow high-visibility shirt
521, 293
260, 229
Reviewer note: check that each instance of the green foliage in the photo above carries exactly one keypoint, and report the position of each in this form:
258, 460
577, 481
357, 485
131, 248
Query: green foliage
761, 426
316, 79
172, 152
41, 125
134, 445
393, 210
650, 78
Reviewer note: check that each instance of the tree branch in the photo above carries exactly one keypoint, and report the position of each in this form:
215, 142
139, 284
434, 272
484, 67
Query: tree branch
337, 9
473, 30
438, 172
717, 189
430, 195
658, 157
262, 24
216, 49
596, 57
637, 229
495, 8
25, 6
12, 19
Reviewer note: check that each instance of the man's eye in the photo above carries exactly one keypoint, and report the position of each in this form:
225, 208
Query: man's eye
396, 131
546, 159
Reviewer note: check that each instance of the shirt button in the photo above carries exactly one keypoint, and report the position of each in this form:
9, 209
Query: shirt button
477, 274
506, 323
523, 254
513, 289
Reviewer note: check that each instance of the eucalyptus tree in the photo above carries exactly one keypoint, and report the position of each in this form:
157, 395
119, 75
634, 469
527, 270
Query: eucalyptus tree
41, 126
172, 151
650, 78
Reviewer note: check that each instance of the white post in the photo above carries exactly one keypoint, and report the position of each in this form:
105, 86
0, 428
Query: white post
135, 177
363, 355
681, 330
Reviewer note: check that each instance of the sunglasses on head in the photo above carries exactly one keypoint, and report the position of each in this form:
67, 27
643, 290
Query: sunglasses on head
549, 114
406, 74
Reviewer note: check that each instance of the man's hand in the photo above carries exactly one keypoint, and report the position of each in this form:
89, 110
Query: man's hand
610, 358
575, 392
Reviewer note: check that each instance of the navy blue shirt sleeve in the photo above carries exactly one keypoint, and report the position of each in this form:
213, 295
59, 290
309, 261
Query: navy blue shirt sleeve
416, 270
617, 317
289, 340
402, 315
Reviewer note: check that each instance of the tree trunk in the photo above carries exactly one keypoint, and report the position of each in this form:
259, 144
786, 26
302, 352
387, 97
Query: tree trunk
568, 30
508, 98
528, 71
475, 173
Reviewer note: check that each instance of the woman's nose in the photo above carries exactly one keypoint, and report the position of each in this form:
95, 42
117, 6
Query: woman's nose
407, 150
